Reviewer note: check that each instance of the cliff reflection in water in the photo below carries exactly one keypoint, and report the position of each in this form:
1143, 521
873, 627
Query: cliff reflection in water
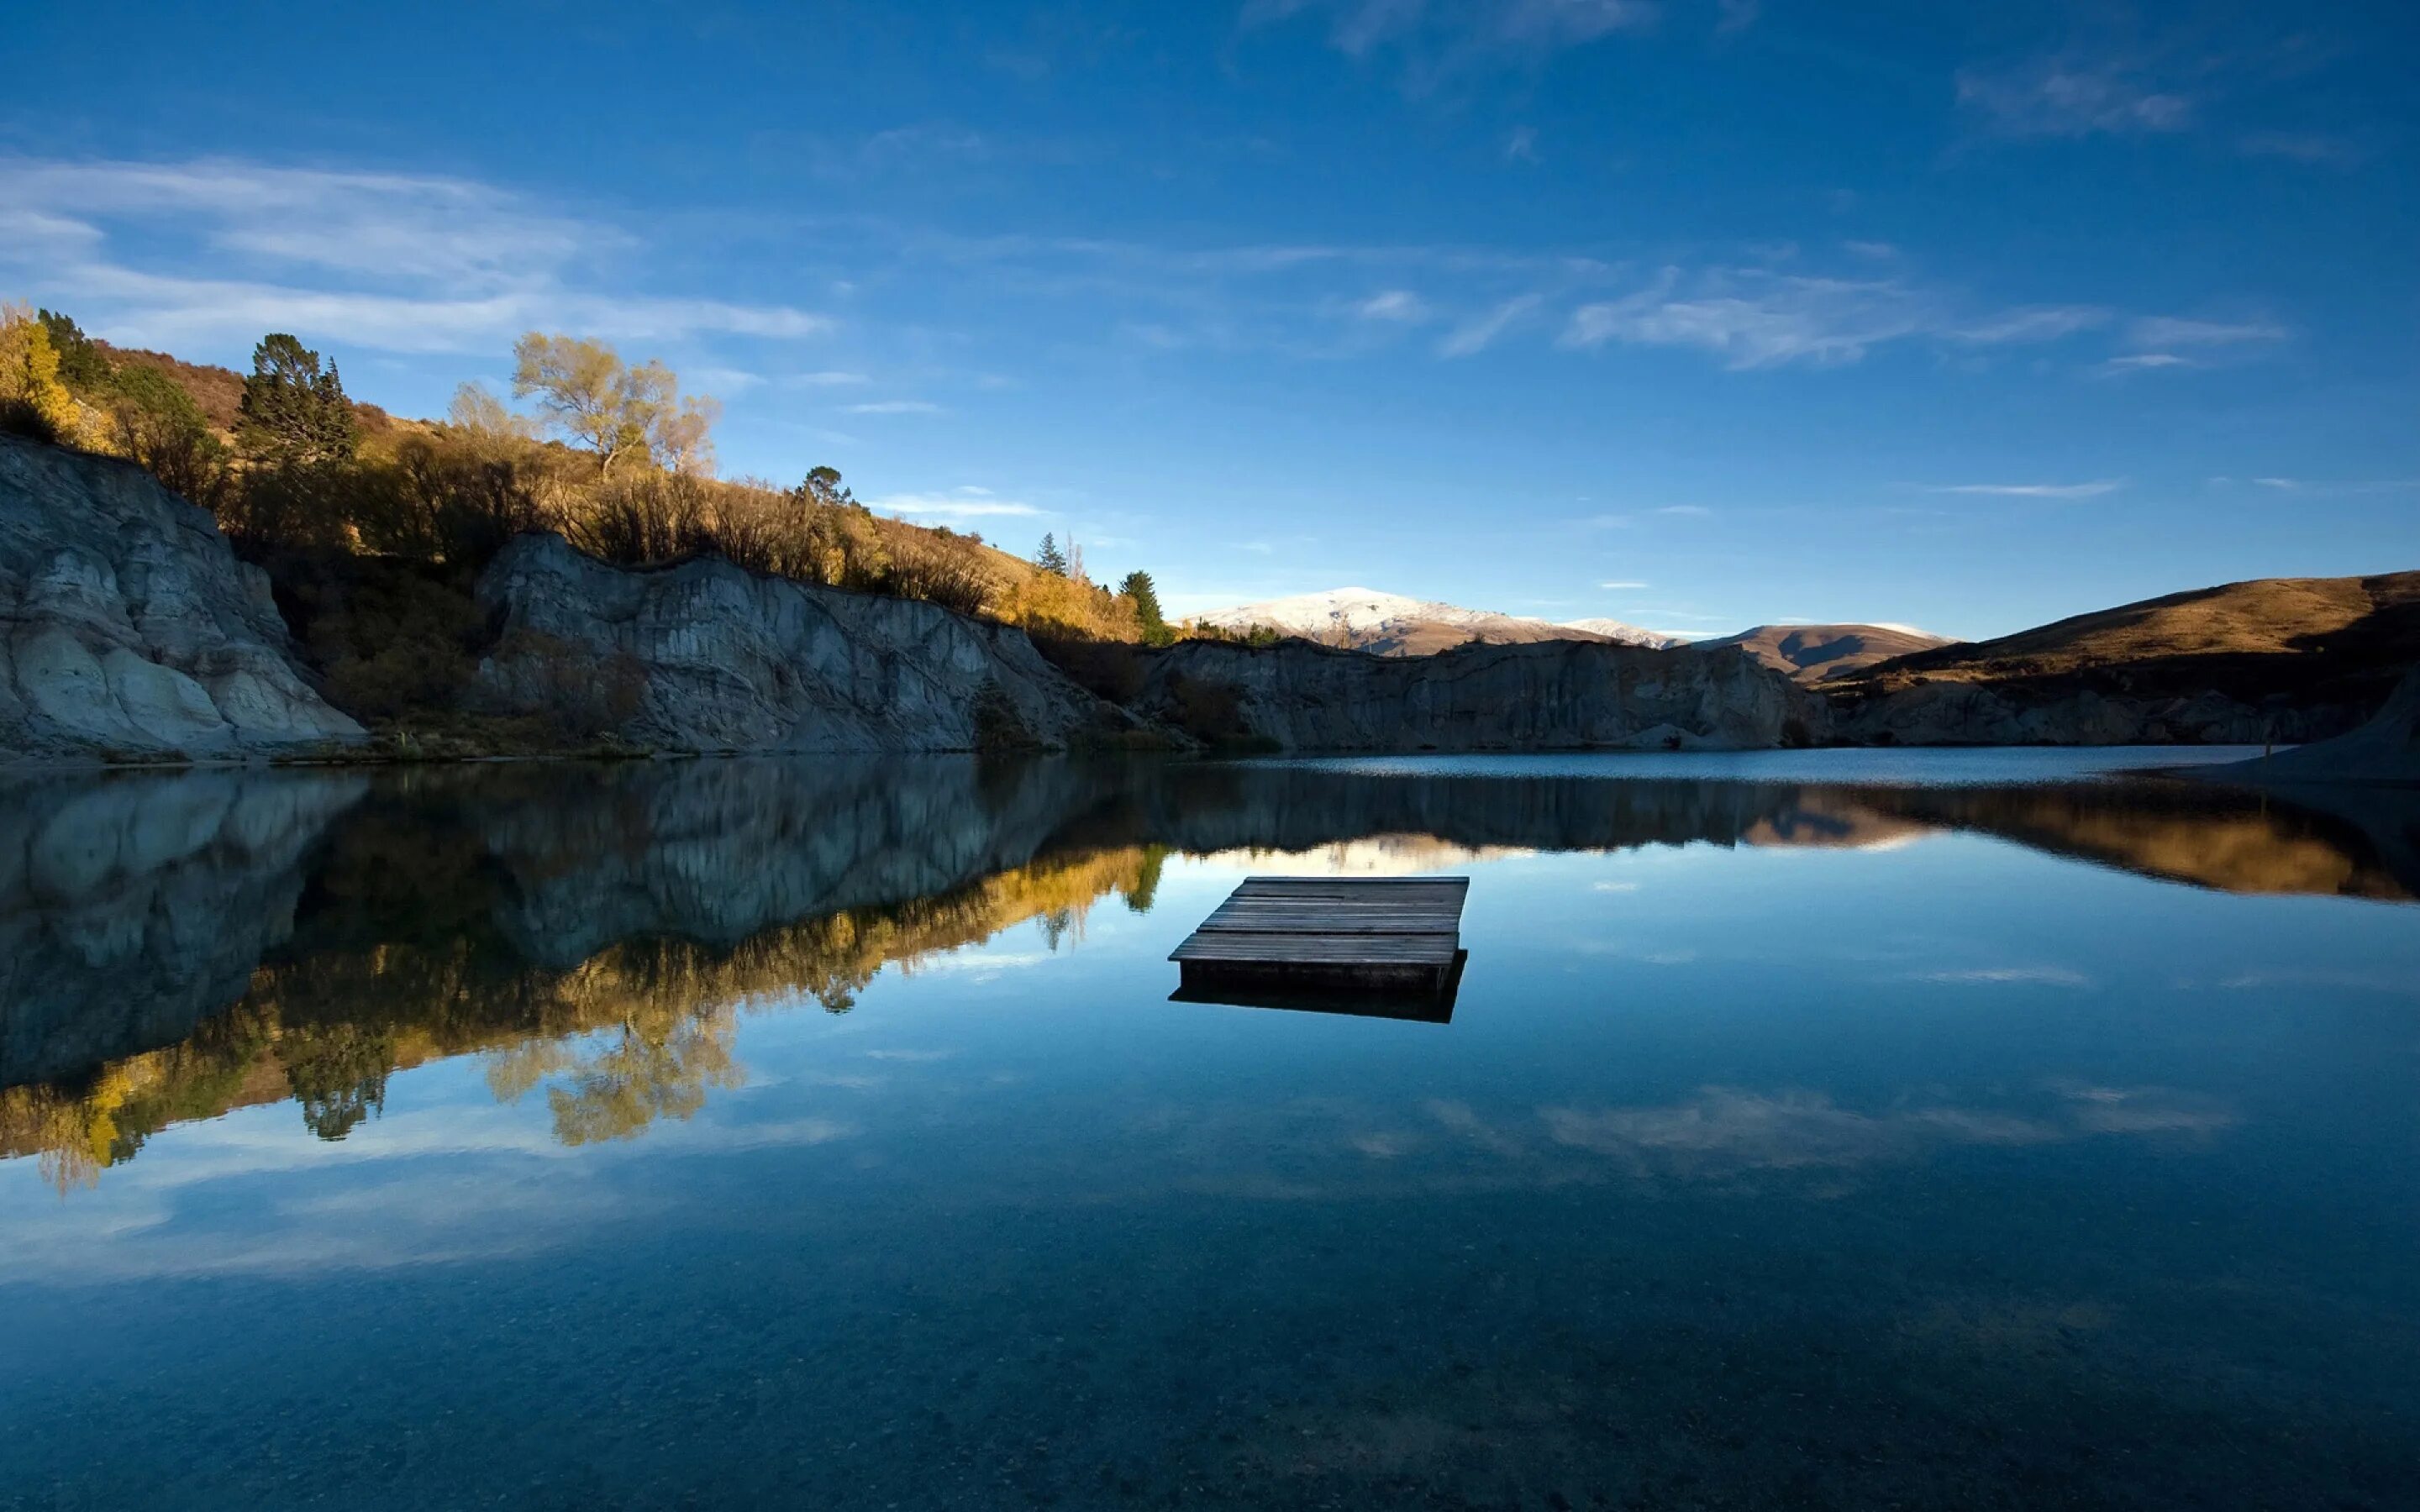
174, 946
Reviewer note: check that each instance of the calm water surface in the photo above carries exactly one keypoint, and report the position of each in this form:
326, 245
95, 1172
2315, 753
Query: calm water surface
1949, 1129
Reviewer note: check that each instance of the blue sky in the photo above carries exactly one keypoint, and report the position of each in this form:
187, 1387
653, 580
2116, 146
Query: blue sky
1694, 313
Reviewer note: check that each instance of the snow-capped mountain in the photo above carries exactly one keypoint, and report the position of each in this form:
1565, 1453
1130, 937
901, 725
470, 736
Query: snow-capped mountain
1394, 625
1629, 635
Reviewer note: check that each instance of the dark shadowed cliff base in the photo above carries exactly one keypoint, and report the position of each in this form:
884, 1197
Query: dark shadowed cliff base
2385, 750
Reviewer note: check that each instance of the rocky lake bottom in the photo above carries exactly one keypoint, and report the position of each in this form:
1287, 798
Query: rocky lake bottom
1833, 1129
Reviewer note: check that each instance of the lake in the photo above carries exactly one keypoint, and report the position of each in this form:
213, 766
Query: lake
1826, 1129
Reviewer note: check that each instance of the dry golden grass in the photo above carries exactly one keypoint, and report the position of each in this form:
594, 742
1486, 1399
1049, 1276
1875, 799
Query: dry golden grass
2248, 639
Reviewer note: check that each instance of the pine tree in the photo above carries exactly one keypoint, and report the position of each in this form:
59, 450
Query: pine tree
84, 368
1139, 587
292, 413
1050, 559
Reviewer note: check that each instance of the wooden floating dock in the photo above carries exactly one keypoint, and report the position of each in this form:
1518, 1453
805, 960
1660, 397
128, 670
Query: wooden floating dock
1390, 946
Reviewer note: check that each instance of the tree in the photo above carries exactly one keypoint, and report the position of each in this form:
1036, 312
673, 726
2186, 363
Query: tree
823, 487
1050, 559
481, 414
84, 368
580, 385
682, 435
294, 414
32, 398
1144, 594
159, 425
616, 410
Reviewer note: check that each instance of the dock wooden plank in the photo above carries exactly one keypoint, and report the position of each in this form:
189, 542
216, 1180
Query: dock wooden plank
1435, 949
1353, 886
1393, 934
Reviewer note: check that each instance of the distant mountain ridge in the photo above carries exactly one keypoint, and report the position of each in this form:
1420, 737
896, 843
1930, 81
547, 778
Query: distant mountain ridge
1629, 634
1396, 624
1814, 653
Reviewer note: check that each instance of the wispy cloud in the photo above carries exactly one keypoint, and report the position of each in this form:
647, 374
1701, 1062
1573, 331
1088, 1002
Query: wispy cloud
957, 504
1480, 331
2091, 489
2070, 98
2324, 487
824, 380
1687, 510
2171, 330
2318, 148
1736, 16
1754, 319
1623, 584
2034, 323
396, 262
1396, 305
2142, 363
2007, 976
1521, 145
722, 380
893, 407
2032, 490
1443, 36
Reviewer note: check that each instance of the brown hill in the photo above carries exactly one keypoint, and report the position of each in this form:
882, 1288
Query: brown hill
2304, 641
1422, 637
1813, 653
218, 390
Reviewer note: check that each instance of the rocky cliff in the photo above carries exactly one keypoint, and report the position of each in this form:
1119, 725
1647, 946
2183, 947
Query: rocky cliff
705, 657
128, 628
1553, 695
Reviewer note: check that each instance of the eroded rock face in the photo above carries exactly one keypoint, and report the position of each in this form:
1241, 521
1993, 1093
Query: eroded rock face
1547, 695
129, 628
705, 656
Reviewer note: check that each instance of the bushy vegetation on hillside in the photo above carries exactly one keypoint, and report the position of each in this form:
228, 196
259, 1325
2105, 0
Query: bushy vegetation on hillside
615, 456
373, 528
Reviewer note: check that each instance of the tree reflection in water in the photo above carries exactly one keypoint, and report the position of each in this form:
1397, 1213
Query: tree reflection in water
598, 932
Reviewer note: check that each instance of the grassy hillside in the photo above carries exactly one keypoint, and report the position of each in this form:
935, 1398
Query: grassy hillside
2321, 640
218, 392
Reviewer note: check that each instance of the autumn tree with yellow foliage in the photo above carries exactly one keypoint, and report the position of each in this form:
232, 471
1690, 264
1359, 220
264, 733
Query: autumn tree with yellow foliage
32, 398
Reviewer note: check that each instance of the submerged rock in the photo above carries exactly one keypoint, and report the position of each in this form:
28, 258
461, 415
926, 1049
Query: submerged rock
129, 628
706, 657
